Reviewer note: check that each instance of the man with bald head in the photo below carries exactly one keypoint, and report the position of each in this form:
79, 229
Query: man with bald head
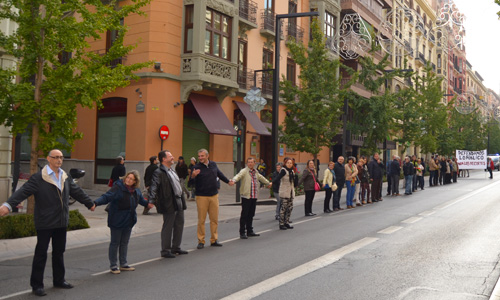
51, 188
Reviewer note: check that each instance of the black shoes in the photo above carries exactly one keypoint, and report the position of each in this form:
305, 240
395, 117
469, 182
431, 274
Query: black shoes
216, 244
288, 226
39, 292
253, 234
283, 227
200, 246
180, 252
243, 236
310, 214
168, 255
328, 211
63, 285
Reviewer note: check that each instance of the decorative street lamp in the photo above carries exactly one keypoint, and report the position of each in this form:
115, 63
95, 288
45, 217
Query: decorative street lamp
255, 100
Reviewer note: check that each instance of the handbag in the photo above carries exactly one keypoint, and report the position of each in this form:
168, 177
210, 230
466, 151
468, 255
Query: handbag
316, 184
110, 183
334, 187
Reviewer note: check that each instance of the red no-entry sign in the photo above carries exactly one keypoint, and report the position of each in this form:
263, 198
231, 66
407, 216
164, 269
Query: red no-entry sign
164, 132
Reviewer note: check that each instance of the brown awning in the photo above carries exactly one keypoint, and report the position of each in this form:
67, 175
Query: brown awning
212, 115
252, 118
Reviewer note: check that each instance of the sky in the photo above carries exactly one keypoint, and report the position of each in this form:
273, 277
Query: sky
483, 39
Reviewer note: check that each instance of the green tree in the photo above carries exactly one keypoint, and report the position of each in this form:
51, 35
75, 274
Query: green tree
50, 89
314, 107
373, 116
464, 132
498, 2
432, 111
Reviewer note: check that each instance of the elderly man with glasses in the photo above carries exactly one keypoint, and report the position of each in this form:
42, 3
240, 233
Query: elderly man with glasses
51, 188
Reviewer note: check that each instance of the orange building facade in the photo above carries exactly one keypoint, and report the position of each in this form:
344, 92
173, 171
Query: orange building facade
205, 54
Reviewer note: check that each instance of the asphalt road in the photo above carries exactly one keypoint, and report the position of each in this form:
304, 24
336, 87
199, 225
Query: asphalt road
440, 243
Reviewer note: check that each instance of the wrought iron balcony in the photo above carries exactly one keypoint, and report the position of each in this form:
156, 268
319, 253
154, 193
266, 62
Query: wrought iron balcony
248, 10
268, 20
245, 77
295, 31
267, 84
421, 58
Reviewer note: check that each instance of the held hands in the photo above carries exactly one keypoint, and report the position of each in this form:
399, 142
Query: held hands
4, 210
231, 182
270, 185
92, 208
150, 205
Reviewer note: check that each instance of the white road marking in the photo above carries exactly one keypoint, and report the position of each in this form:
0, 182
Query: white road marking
453, 202
427, 213
390, 229
302, 270
412, 220
15, 294
306, 220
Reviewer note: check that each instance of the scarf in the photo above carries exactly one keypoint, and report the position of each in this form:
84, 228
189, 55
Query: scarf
291, 174
353, 178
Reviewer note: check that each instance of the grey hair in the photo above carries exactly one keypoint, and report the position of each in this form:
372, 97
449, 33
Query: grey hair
203, 150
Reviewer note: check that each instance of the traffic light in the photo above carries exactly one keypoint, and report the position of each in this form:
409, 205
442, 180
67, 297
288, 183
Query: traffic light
239, 134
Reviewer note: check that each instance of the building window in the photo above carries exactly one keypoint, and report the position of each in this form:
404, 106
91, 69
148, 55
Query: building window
269, 5
243, 73
217, 34
267, 78
188, 29
291, 70
111, 37
439, 60
330, 25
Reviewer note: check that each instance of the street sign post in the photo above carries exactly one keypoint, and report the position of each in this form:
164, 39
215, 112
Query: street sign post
164, 132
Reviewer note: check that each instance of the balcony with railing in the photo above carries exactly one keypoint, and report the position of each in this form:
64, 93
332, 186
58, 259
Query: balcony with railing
248, 12
421, 58
434, 67
295, 32
267, 84
245, 78
268, 20
370, 11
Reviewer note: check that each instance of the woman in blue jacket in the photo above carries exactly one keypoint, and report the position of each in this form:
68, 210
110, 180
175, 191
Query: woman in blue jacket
123, 199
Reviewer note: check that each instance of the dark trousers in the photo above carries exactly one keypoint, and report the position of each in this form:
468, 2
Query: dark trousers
389, 183
441, 177
376, 189
395, 183
491, 172
431, 177
414, 184
58, 236
455, 175
171, 231
436, 177
248, 207
420, 182
328, 196
309, 201
336, 196
365, 190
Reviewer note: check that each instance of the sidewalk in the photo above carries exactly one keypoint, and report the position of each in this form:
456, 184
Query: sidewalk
99, 231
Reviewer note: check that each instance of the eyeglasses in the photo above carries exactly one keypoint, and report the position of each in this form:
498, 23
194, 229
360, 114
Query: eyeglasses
57, 157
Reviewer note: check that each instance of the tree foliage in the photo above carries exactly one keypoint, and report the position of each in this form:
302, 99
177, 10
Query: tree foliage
314, 107
372, 117
432, 111
48, 89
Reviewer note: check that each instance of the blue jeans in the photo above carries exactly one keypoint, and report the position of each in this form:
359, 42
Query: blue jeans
350, 192
278, 204
119, 242
408, 182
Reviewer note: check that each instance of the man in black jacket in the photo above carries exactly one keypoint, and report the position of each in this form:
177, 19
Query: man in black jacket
148, 175
339, 170
51, 188
182, 171
166, 194
205, 174
375, 168
395, 172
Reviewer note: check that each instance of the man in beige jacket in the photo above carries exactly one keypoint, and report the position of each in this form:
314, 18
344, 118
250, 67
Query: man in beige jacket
249, 190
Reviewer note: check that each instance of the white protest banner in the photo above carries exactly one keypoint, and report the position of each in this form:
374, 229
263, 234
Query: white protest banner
471, 159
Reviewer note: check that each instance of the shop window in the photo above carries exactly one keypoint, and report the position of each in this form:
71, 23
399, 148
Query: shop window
111, 136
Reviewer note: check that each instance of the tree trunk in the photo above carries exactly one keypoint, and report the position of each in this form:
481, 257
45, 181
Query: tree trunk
34, 127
